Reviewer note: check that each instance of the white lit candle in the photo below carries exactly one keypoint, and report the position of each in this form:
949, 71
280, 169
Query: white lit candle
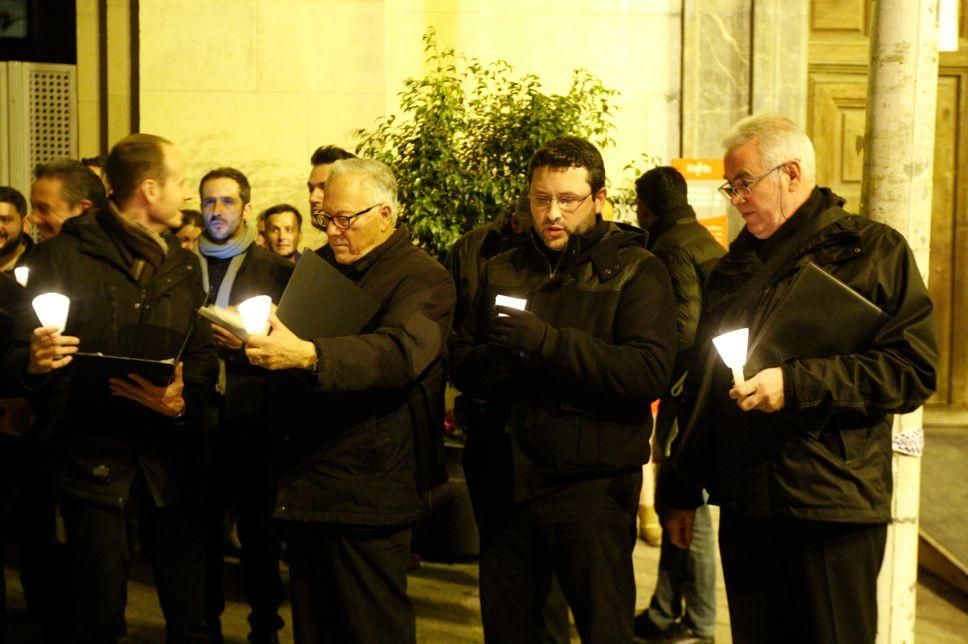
51, 309
518, 303
21, 273
732, 349
255, 314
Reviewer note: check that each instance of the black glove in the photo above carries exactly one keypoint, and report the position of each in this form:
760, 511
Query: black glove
518, 329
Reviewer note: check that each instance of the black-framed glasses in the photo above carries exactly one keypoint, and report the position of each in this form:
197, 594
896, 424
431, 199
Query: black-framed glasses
343, 222
745, 188
565, 204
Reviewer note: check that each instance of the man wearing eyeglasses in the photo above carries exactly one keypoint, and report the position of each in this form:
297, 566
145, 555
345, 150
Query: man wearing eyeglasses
348, 491
575, 373
799, 455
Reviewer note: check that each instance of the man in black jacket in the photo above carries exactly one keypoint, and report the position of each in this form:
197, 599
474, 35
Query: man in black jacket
348, 487
234, 269
124, 445
575, 374
799, 455
689, 251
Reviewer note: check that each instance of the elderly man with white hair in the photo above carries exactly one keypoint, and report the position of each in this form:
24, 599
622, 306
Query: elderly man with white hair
799, 455
348, 486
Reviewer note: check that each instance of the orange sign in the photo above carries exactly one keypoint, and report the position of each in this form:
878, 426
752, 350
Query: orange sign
700, 169
719, 228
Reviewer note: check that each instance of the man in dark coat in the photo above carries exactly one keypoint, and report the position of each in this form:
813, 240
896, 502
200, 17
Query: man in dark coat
575, 373
234, 269
799, 455
124, 446
689, 252
348, 487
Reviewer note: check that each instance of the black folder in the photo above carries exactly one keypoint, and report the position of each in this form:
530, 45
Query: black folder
94, 369
321, 302
819, 317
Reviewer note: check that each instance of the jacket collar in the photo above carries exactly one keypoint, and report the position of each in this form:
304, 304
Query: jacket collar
600, 246
397, 239
92, 240
668, 219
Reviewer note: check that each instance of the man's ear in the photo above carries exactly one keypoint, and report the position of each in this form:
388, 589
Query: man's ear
600, 200
150, 190
795, 173
386, 213
246, 211
82, 206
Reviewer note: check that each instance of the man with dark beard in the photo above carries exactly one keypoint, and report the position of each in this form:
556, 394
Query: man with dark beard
234, 269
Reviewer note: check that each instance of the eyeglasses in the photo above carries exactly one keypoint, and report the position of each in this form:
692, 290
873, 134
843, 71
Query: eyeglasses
745, 188
565, 204
343, 222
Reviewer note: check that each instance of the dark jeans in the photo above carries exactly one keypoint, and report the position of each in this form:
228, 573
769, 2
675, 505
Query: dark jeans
789, 580
487, 470
244, 488
584, 536
348, 584
99, 561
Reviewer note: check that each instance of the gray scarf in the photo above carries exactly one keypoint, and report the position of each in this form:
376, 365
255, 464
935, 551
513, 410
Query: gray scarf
234, 247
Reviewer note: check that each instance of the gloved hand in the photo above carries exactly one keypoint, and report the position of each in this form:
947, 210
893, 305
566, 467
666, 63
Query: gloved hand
518, 329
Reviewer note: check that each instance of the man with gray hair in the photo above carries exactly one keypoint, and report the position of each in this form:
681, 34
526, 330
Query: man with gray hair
799, 455
348, 490
62, 189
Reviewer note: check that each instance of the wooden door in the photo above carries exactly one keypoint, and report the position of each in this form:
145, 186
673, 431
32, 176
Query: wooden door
839, 37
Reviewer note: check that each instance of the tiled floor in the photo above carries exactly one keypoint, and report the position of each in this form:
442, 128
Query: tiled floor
445, 596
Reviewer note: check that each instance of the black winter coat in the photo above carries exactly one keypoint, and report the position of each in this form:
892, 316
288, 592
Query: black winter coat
98, 444
350, 455
827, 455
580, 408
689, 252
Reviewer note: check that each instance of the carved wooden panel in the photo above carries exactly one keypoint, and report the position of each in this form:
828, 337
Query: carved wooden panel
836, 124
836, 114
840, 16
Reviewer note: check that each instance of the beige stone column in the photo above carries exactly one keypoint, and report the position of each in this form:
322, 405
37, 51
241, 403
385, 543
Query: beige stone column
780, 51
897, 190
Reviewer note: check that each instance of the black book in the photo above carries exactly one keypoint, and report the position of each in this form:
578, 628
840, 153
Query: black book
321, 302
95, 369
819, 317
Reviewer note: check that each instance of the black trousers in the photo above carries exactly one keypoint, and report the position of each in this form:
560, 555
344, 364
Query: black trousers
789, 580
99, 561
348, 584
585, 539
487, 470
243, 487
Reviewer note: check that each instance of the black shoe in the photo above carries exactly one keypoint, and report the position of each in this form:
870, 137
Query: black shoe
681, 634
646, 630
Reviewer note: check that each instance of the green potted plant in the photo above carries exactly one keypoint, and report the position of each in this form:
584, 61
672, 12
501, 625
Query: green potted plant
461, 145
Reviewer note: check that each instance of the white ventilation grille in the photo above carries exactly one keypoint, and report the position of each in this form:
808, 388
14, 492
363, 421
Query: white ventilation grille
41, 118
50, 108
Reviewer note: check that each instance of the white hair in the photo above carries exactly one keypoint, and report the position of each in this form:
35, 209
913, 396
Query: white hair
375, 176
778, 140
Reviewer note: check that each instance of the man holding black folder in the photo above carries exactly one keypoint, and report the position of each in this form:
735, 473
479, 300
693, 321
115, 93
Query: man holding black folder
348, 487
119, 447
799, 455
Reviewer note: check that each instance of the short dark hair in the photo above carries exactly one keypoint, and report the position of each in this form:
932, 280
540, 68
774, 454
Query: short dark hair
662, 189
97, 160
192, 218
245, 191
329, 154
79, 181
13, 197
570, 152
132, 160
281, 208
